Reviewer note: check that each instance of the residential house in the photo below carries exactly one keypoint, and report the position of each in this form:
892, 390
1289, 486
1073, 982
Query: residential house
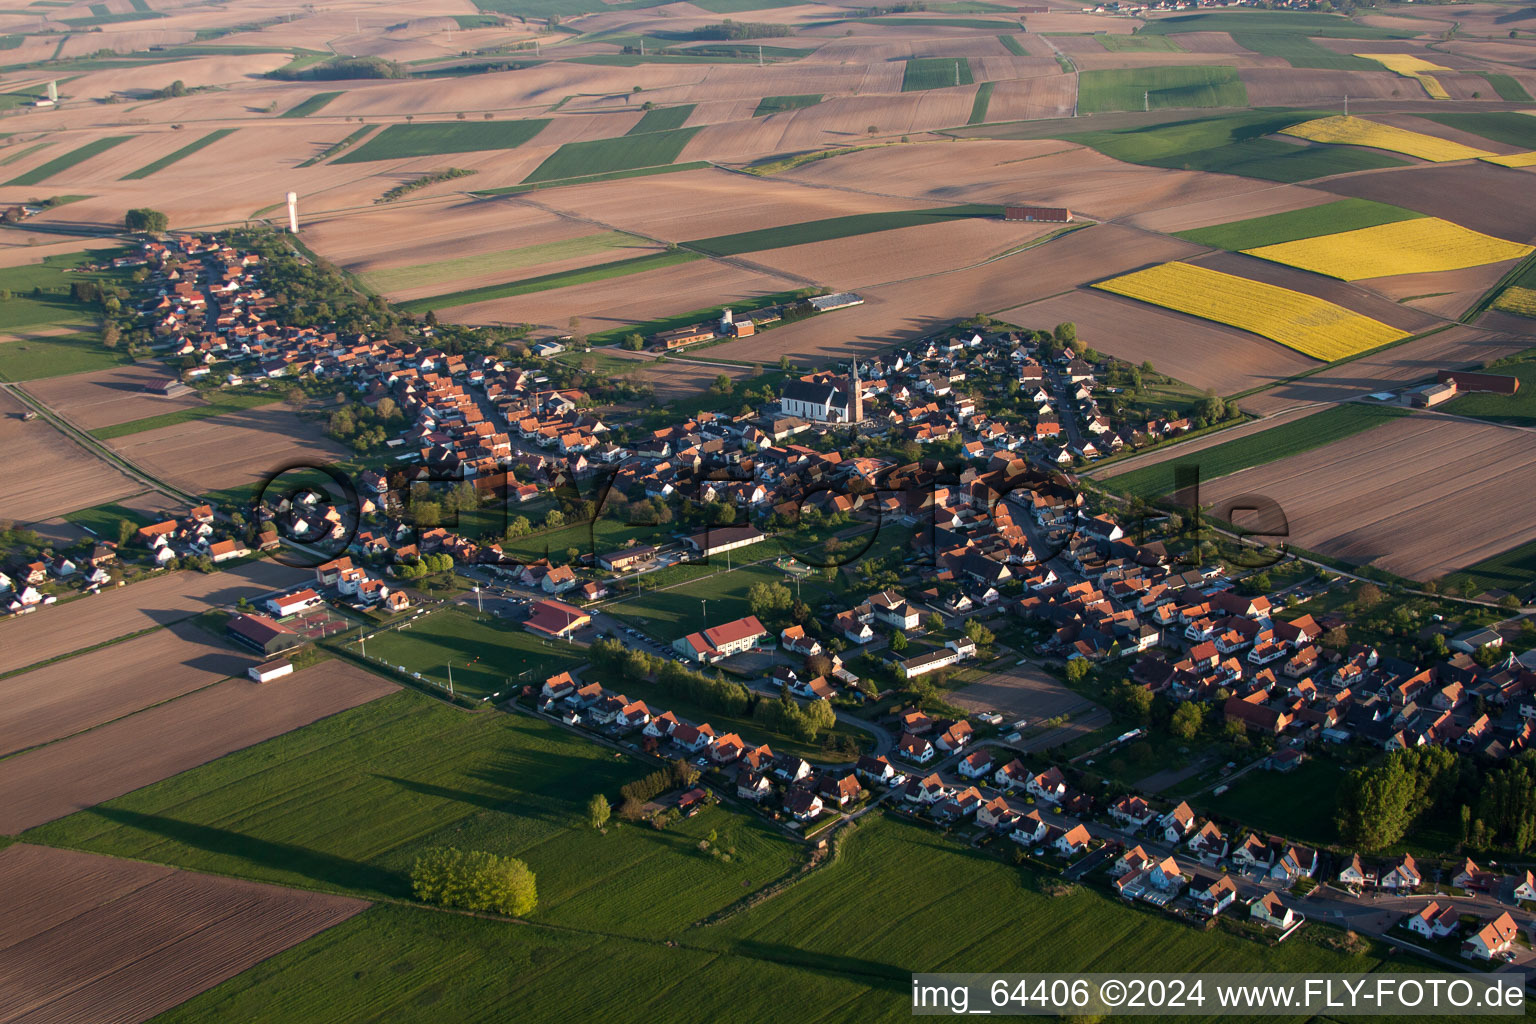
1213, 895
1073, 841
1434, 921
1402, 876
1491, 939
1270, 910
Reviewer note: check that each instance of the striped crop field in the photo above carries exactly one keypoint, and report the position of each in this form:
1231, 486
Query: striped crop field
1409, 66
1310, 325
1357, 131
170, 158
1419, 246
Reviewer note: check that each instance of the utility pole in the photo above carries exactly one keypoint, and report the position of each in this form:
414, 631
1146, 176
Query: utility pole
450, 679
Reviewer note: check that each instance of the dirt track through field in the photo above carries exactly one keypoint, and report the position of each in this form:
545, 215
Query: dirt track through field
92, 938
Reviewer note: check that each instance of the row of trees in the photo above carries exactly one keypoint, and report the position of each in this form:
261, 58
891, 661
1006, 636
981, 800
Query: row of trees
786, 716
1380, 803
675, 776
713, 693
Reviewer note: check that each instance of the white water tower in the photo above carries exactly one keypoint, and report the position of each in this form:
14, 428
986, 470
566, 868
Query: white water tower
293, 212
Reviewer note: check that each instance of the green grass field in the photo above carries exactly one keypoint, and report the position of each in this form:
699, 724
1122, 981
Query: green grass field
65, 161
347, 803
1508, 88
393, 278
1327, 219
669, 614
935, 73
40, 293
1518, 409
564, 279
637, 172
488, 654
1116, 42
36, 358
600, 156
1301, 51
1233, 144
662, 119
436, 137
1298, 804
1509, 127
103, 520
980, 104
1012, 45
1288, 35
170, 158
1513, 570
219, 403
779, 104
1271, 445
789, 958
311, 105
833, 227
415, 966
1159, 88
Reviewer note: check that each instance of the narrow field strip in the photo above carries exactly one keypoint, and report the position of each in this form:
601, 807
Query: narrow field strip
587, 275
63, 163
170, 158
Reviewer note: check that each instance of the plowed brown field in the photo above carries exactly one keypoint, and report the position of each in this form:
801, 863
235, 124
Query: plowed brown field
1420, 496
92, 938
170, 597
68, 696
58, 779
46, 474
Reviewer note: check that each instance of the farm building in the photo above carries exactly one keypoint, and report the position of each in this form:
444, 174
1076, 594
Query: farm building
1038, 214
629, 558
1492, 383
262, 633
841, 300
720, 539
668, 340
556, 618
167, 387
1431, 395
291, 604
268, 671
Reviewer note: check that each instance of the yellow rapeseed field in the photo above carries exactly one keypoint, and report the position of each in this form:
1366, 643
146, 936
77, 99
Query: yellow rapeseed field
1514, 159
1306, 323
1515, 299
1417, 246
1357, 131
1409, 66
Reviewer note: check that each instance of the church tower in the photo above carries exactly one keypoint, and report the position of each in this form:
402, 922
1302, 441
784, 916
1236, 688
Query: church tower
856, 400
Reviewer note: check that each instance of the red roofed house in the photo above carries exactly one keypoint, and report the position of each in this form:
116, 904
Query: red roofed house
1491, 939
721, 641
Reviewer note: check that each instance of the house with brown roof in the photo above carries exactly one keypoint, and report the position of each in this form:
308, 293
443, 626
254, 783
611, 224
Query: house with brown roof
1434, 921
1491, 939
717, 642
1270, 910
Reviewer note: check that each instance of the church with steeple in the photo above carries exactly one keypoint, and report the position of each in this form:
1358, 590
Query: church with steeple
825, 397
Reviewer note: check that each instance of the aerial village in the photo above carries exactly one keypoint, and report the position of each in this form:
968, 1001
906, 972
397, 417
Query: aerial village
994, 537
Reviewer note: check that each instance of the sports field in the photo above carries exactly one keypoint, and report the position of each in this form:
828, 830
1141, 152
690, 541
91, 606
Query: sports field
346, 803
407, 140
170, 158
1270, 445
1420, 245
1310, 325
65, 161
1327, 219
601, 156
486, 654
935, 73
1159, 88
